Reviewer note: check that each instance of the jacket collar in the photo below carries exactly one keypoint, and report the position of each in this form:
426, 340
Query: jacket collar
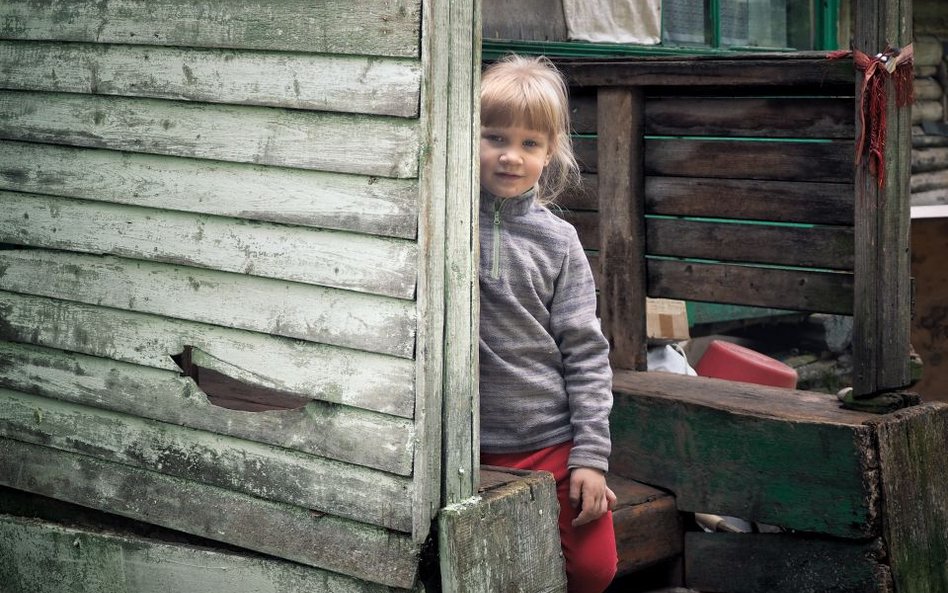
516, 206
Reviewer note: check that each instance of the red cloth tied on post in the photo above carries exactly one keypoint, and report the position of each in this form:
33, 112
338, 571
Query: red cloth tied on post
892, 62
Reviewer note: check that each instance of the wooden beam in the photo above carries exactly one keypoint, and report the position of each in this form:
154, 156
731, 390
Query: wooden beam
277, 529
648, 526
621, 114
752, 70
913, 460
379, 27
345, 319
882, 301
505, 539
796, 290
789, 458
358, 263
236, 133
784, 563
372, 205
48, 557
351, 84
255, 469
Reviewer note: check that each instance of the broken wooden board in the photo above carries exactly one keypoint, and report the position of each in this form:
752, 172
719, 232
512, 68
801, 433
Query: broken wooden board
351, 377
504, 539
777, 456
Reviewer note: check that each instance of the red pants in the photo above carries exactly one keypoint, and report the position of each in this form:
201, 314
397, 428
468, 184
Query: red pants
589, 550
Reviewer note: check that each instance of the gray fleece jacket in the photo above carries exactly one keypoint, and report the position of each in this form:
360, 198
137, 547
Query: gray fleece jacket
544, 363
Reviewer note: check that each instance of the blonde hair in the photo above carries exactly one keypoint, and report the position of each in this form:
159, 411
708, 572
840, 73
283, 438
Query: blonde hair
531, 92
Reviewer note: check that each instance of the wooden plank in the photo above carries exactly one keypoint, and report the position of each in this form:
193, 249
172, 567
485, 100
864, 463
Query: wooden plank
506, 539
820, 246
335, 432
783, 563
47, 557
430, 301
647, 524
799, 290
351, 377
459, 406
779, 161
371, 205
352, 84
765, 70
379, 27
300, 311
240, 133
268, 472
772, 117
882, 309
324, 541
779, 456
778, 201
622, 236
912, 459
373, 265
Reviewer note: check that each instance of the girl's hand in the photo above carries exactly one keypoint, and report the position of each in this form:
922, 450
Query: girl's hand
589, 493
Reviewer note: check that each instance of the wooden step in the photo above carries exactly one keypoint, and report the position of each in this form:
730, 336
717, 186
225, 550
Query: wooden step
647, 523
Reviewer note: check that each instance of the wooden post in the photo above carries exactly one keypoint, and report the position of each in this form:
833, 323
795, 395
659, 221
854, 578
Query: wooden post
621, 116
882, 299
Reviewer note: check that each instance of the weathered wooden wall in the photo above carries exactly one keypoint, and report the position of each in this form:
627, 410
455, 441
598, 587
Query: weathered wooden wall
257, 188
724, 180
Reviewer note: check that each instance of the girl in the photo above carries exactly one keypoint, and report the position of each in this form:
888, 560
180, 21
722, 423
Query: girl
546, 384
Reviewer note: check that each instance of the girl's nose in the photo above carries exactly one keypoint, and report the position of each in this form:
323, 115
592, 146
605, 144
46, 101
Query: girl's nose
510, 156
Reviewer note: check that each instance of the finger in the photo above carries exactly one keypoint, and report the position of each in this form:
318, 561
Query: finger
592, 509
575, 491
610, 499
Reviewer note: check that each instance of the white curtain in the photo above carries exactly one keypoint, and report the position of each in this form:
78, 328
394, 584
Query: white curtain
614, 21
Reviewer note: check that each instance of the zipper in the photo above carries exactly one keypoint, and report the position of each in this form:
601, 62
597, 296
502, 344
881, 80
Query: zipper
495, 255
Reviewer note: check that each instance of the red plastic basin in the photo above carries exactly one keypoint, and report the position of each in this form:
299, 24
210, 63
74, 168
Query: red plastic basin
725, 360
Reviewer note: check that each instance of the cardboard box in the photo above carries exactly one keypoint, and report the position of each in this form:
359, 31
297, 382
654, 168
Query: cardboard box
666, 320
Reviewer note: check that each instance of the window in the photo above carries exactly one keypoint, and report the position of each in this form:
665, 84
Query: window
757, 24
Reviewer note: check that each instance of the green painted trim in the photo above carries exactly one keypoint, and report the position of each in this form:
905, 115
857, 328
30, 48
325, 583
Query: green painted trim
828, 11
493, 49
714, 10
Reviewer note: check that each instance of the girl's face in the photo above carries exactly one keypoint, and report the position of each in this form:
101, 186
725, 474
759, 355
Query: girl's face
512, 158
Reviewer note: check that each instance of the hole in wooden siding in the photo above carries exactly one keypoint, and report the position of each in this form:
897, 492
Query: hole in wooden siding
226, 392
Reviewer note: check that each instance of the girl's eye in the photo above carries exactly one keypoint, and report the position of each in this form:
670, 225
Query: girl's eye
530, 143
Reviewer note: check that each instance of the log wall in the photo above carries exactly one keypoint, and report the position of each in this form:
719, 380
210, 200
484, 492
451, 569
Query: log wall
222, 277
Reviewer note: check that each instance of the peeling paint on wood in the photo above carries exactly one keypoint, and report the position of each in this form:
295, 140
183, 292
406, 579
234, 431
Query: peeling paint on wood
370, 553
367, 145
260, 470
352, 84
46, 557
361, 263
327, 430
371, 205
312, 313
379, 27
351, 377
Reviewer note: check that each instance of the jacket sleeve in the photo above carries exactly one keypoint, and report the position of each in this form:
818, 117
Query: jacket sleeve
585, 354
